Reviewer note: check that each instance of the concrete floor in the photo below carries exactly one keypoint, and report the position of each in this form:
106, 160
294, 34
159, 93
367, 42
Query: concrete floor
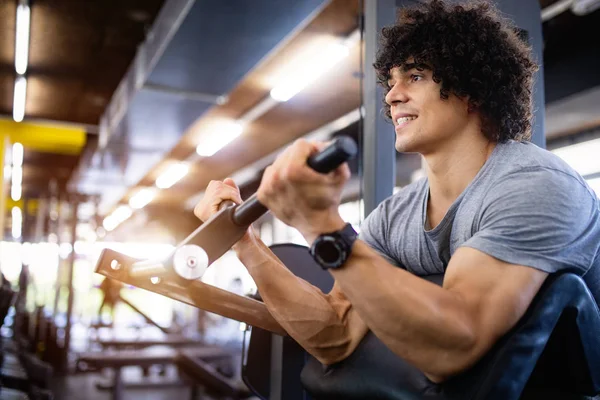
83, 387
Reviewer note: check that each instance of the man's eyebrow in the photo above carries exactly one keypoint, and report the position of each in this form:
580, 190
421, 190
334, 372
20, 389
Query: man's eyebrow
418, 66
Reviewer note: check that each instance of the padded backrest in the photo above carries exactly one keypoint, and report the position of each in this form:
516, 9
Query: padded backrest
560, 332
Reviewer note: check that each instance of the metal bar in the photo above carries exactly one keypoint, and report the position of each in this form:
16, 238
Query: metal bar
186, 94
379, 154
147, 318
115, 265
147, 269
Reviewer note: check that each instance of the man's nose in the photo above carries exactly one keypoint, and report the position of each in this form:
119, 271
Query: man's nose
397, 94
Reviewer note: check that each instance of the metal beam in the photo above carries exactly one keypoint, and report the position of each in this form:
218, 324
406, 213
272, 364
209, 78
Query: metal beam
45, 138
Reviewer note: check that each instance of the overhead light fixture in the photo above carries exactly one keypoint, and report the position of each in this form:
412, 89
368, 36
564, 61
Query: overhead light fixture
582, 157
19, 99
142, 198
17, 154
22, 37
172, 175
17, 179
307, 69
17, 222
16, 192
220, 135
119, 215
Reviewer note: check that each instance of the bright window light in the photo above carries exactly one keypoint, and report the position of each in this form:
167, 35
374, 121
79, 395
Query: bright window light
17, 222
19, 99
307, 69
220, 135
172, 175
22, 39
595, 185
17, 154
142, 198
583, 157
120, 214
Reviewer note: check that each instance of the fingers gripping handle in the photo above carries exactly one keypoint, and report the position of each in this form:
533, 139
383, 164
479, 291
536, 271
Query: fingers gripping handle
216, 236
340, 151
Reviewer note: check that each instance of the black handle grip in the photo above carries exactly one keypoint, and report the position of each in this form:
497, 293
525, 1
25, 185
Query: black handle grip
337, 153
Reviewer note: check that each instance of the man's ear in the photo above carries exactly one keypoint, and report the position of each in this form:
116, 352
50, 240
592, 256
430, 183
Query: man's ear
471, 105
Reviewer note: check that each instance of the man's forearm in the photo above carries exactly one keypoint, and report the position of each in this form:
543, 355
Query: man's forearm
421, 322
322, 324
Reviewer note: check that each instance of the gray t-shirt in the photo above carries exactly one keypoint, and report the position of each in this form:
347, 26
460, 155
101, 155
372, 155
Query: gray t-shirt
525, 206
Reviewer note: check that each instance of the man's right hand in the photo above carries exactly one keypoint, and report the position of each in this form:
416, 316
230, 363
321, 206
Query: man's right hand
217, 192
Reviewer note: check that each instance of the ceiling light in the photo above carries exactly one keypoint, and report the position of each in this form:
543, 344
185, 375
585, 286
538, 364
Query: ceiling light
120, 214
17, 154
308, 71
142, 198
16, 178
17, 222
582, 157
22, 38
16, 192
220, 135
19, 99
7, 172
172, 175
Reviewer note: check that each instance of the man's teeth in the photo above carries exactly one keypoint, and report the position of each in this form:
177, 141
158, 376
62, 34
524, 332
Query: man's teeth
405, 119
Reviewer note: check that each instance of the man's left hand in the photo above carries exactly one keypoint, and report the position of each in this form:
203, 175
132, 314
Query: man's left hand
301, 197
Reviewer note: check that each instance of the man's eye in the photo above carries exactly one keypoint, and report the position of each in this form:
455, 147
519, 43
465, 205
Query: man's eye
415, 77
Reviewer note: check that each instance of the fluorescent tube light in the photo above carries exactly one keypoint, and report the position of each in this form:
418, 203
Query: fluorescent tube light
172, 175
142, 198
120, 214
17, 222
17, 154
22, 38
308, 71
19, 99
218, 137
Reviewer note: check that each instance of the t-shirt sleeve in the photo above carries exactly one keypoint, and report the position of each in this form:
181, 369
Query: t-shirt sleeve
374, 232
541, 218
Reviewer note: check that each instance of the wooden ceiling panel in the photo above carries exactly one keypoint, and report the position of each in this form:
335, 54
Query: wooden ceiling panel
79, 52
7, 88
309, 110
8, 10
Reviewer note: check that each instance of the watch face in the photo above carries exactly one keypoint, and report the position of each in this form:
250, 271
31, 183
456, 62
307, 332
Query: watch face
329, 251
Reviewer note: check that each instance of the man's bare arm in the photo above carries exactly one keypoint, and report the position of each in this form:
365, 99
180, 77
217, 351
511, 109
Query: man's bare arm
325, 325
440, 330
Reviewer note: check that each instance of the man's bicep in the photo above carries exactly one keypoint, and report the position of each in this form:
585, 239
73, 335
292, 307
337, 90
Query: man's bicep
495, 294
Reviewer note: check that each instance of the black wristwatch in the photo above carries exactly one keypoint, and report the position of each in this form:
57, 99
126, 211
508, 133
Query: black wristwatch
331, 250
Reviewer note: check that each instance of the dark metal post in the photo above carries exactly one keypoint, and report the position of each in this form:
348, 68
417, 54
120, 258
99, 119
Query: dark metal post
378, 152
70, 294
527, 16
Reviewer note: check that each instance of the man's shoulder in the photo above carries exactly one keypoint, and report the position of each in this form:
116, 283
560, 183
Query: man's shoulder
525, 164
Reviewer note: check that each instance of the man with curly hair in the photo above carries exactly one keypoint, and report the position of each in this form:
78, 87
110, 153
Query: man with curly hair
494, 216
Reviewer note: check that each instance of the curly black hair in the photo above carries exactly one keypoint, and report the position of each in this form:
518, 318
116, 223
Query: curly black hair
473, 52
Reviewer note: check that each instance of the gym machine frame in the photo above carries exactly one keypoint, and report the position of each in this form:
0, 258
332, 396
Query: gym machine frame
177, 276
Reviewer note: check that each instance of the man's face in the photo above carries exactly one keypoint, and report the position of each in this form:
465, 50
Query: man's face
423, 121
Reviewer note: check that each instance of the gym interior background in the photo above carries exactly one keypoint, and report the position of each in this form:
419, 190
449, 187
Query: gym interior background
116, 114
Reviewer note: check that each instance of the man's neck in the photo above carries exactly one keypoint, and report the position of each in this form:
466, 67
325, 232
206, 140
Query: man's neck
452, 167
